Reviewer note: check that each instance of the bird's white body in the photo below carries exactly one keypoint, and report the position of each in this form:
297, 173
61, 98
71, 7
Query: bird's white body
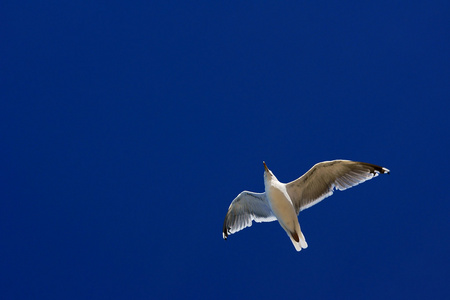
282, 207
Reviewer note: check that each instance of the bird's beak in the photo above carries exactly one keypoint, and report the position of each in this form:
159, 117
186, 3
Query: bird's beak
265, 167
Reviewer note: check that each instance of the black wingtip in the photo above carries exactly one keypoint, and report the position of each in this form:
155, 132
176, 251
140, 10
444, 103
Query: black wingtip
377, 169
225, 233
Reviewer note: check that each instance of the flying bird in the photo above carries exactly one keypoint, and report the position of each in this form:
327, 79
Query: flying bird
284, 201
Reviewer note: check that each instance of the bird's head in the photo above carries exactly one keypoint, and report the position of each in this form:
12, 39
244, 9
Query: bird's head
267, 173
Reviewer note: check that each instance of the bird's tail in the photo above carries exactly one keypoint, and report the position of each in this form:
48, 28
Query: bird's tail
298, 239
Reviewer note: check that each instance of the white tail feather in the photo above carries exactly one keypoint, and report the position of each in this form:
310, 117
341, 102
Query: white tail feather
301, 244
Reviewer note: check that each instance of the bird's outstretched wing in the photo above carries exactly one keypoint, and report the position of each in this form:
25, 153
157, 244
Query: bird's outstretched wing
323, 178
245, 208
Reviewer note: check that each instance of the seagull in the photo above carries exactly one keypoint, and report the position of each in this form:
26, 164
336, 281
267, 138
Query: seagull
284, 201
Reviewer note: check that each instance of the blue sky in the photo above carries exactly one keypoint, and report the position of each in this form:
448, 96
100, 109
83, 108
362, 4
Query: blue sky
128, 128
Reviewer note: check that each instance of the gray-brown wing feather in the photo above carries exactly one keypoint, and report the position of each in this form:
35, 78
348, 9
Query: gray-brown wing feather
245, 208
323, 178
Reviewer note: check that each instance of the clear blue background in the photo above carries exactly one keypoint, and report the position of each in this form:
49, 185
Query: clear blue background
128, 127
